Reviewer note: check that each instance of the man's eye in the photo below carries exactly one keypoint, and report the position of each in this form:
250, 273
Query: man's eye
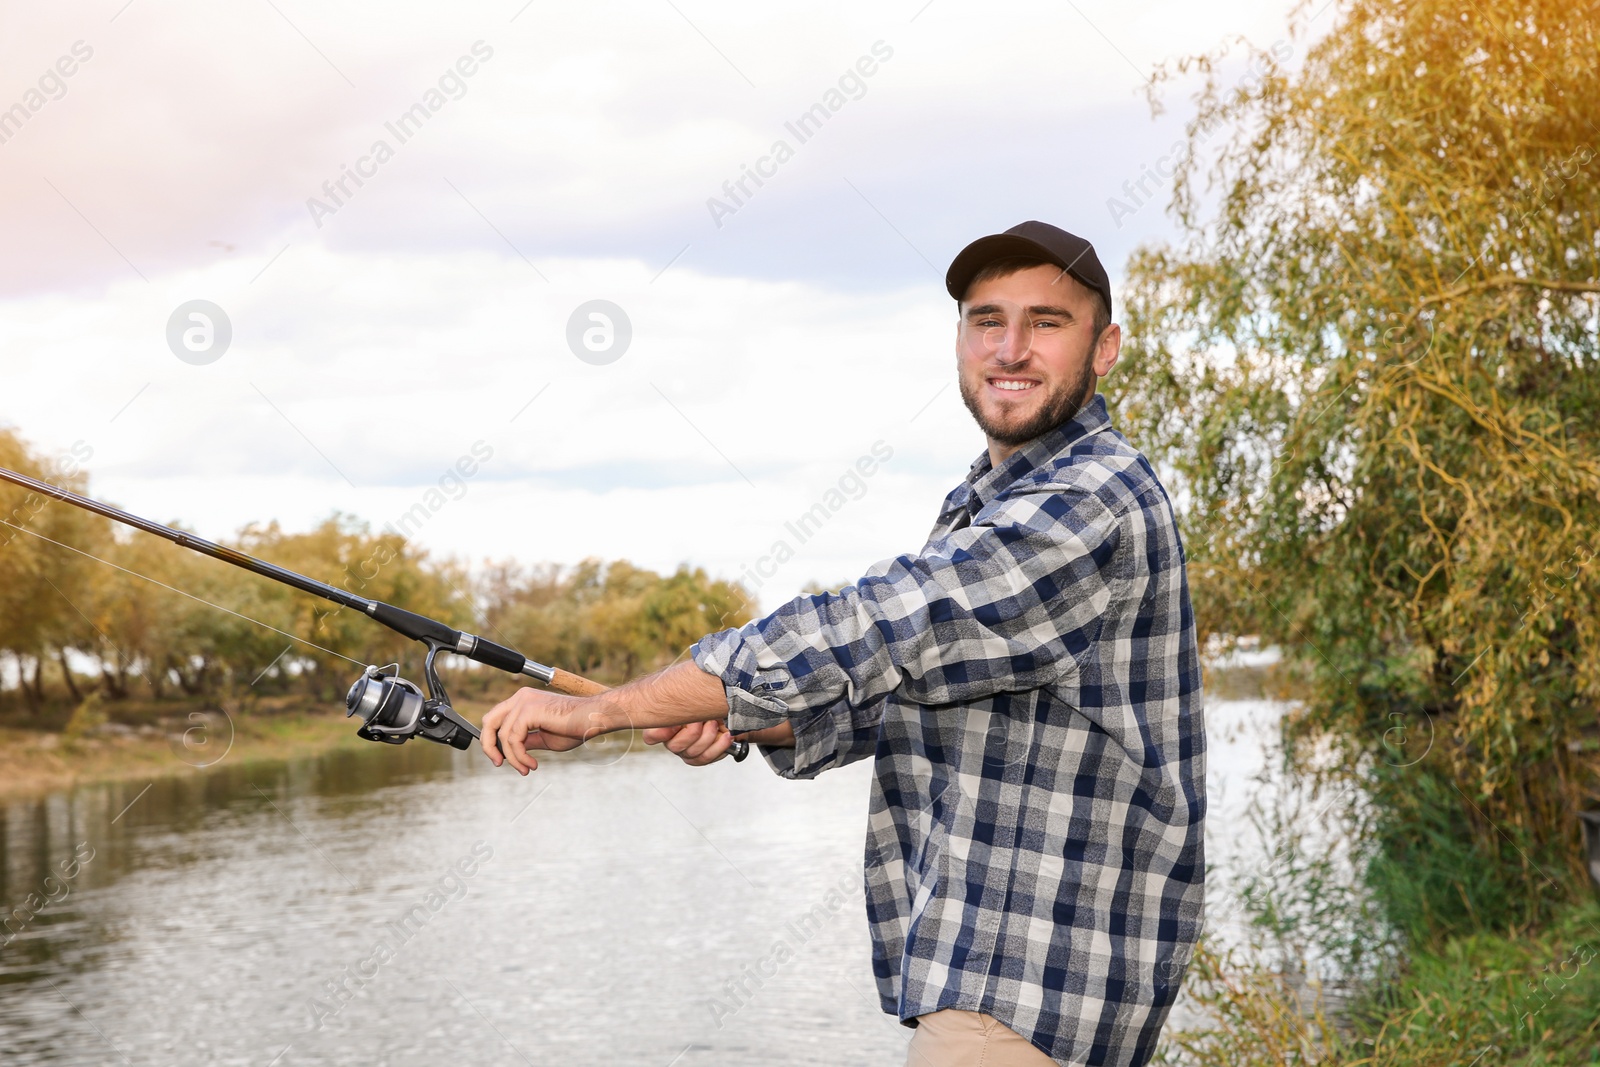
1046, 322
990, 323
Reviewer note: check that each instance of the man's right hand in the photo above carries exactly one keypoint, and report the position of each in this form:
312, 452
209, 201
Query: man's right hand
702, 743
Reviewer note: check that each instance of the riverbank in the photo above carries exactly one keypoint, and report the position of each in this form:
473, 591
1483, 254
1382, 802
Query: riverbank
196, 740
192, 741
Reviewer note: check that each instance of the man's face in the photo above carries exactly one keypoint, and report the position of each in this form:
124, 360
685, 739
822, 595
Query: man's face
1026, 354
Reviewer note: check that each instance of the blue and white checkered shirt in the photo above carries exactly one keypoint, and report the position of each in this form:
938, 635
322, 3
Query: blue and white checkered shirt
1028, 686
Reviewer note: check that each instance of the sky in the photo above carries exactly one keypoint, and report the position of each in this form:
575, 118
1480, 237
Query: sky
402, 217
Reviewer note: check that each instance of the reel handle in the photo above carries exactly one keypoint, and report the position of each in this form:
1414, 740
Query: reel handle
578, 686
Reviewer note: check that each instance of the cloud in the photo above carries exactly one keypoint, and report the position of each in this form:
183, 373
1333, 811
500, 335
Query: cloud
430, 311
195, 128
736, 405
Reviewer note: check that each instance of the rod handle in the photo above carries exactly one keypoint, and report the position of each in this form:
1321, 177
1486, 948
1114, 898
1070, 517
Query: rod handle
575, 684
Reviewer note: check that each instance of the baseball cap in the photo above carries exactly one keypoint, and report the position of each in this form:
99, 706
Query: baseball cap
1037, 239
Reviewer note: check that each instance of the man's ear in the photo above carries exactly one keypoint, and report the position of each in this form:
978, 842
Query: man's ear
1107, 349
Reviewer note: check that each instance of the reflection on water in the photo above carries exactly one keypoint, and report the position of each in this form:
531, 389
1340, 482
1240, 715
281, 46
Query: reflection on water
415, 905
411, 906
58, 850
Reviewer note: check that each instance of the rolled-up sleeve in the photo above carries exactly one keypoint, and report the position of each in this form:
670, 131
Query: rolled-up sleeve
1008, 603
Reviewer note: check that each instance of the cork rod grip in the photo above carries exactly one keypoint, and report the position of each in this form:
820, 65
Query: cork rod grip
576, 685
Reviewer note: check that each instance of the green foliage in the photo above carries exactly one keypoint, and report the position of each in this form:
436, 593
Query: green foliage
1435, 876
608, 621
1511, 999
1486, 1000
1307, 903
1371, 370
39, 583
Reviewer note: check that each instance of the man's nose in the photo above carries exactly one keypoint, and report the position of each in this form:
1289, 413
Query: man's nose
1011, 344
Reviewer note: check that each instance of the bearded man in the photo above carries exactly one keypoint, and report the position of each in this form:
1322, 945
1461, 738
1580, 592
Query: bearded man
1027, 686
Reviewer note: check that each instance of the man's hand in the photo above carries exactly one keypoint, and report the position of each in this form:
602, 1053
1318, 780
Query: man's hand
538, 719
697, 744
701, 743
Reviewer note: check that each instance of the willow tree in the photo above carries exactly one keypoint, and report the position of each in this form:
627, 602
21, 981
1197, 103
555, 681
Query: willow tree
1370, 364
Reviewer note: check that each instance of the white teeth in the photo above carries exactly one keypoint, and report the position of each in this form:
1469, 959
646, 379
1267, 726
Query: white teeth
1012, 385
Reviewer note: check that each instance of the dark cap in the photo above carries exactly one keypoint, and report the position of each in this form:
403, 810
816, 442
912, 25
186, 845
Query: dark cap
1039, 240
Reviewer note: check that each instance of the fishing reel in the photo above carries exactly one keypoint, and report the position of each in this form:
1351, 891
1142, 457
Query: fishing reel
394, 710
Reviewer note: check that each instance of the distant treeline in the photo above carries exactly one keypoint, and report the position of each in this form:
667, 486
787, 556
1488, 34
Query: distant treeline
101, 609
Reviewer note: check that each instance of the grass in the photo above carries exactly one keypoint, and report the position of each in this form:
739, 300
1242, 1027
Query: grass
1479, 1000
1511, 998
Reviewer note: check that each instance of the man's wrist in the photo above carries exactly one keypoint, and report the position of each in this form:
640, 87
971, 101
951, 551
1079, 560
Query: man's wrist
608, 714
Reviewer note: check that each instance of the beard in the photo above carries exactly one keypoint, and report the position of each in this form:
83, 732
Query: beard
1059, 405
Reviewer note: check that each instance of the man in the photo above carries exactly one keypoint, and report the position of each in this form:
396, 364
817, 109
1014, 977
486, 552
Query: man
1027, 686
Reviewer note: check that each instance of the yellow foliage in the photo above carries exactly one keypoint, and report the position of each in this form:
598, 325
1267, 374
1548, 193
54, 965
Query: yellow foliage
1373, 371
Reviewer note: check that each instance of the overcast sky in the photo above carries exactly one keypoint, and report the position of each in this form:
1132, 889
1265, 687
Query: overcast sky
536, 158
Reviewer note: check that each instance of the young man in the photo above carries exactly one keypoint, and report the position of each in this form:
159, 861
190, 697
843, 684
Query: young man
1027, 685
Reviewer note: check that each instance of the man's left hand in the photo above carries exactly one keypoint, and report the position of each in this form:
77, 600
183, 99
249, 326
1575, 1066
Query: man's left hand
698, 744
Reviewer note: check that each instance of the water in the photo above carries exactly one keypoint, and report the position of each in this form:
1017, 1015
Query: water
595, 913
615, 904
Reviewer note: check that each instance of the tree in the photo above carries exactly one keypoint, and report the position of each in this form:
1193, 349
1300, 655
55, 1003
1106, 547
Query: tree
341, 551
1370, 370
43, 587
167, 623
610, 620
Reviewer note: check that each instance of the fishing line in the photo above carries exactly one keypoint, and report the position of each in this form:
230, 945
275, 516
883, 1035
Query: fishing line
181, 592
392, 709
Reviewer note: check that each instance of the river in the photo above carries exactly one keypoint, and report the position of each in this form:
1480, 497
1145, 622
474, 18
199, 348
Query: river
417, 906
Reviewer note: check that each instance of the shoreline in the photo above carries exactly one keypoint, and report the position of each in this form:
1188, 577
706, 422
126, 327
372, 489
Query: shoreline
34, 763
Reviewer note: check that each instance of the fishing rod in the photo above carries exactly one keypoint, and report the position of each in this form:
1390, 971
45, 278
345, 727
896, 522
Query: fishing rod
392, 709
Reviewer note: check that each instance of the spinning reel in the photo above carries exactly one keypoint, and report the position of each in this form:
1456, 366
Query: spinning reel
394, 710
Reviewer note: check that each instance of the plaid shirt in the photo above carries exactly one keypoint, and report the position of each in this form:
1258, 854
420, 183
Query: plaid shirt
1028, 686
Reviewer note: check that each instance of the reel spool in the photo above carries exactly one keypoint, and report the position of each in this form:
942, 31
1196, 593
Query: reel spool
394, 710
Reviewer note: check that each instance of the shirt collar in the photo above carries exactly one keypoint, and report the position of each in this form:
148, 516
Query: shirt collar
985, 482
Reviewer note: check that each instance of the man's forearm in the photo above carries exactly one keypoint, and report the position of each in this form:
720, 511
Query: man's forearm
679, 695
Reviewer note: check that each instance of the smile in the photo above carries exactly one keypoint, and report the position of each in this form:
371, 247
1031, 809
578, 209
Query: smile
1013, 385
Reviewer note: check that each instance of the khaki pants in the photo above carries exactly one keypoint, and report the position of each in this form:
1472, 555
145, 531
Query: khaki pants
956, 1038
